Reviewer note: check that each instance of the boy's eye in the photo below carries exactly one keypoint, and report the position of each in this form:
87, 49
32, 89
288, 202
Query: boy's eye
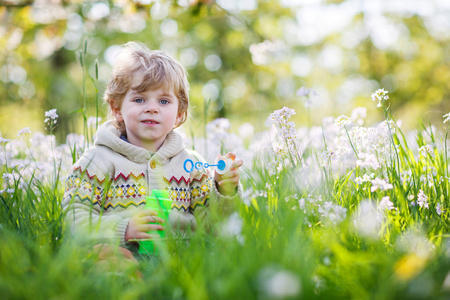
139, 100
164, 101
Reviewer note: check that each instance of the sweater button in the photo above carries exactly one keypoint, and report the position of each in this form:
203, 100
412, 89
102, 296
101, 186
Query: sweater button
152, 165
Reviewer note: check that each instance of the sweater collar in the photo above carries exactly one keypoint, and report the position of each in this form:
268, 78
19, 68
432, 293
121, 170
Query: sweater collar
109, 136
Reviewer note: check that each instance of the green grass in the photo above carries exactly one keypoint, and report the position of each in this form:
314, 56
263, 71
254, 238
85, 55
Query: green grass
304, 230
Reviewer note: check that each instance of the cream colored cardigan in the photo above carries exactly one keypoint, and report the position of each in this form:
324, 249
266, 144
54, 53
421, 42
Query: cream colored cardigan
110, 182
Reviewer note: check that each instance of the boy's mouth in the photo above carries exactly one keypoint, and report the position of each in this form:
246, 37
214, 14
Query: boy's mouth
150, 122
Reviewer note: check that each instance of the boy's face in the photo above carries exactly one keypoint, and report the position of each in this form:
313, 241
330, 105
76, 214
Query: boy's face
148, 116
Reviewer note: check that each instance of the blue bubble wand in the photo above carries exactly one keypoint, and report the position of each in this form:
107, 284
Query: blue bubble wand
222, 165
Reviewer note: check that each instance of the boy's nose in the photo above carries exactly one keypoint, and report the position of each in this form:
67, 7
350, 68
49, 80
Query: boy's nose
151, 108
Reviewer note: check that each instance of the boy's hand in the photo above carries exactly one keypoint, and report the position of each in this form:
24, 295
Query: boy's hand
139, 225
228, 182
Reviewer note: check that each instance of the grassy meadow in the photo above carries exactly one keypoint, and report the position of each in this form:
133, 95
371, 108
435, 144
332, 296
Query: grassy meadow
341, 210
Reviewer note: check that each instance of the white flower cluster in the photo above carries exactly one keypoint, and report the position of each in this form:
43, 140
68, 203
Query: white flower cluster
280, 121
35, 160
380, 184
422, 199
341, 122
24, 131
328, 212
365, 178
51, 116
426, 150
332, 213
380, 95
367, 160
4, 141
328, 156
386, 204
284, 136
274, 167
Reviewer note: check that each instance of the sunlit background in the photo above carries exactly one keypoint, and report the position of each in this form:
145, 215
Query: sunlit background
248, 57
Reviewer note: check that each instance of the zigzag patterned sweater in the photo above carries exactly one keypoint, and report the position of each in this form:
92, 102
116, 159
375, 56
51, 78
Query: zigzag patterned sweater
110, 182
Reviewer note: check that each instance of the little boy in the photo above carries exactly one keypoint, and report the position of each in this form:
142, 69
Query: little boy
138, 151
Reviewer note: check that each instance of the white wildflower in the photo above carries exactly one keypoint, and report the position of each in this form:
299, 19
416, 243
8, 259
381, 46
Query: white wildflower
301, 203
4, 141
51, 119
332, 213
282, 115
24, 131
328, 156
439, 210
367, 160
380, 95
386, 203
274, 168
291, 197
368, 177
426, 150
51, 114
381, 184
8, 177
446, 118
284, 129
341, 121
365, 178
422, 199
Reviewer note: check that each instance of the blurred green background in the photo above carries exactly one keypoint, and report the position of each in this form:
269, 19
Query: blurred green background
249, 57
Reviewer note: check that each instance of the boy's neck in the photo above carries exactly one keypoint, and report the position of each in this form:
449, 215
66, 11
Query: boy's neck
124, 137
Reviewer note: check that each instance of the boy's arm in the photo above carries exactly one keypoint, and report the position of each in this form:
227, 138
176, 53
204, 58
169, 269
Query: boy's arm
83, 204
208, 198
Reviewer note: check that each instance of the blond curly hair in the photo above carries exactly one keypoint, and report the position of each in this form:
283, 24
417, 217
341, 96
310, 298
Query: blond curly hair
155, 68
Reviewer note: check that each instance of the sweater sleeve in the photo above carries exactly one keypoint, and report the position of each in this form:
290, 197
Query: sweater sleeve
83, 204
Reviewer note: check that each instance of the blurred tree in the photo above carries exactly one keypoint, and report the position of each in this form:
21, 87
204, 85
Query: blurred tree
249, 57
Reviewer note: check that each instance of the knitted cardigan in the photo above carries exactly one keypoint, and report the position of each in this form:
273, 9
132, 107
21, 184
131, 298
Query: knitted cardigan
110, 182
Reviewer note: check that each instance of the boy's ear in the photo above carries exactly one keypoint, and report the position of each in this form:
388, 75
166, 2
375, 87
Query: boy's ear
179, 118
116, 110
